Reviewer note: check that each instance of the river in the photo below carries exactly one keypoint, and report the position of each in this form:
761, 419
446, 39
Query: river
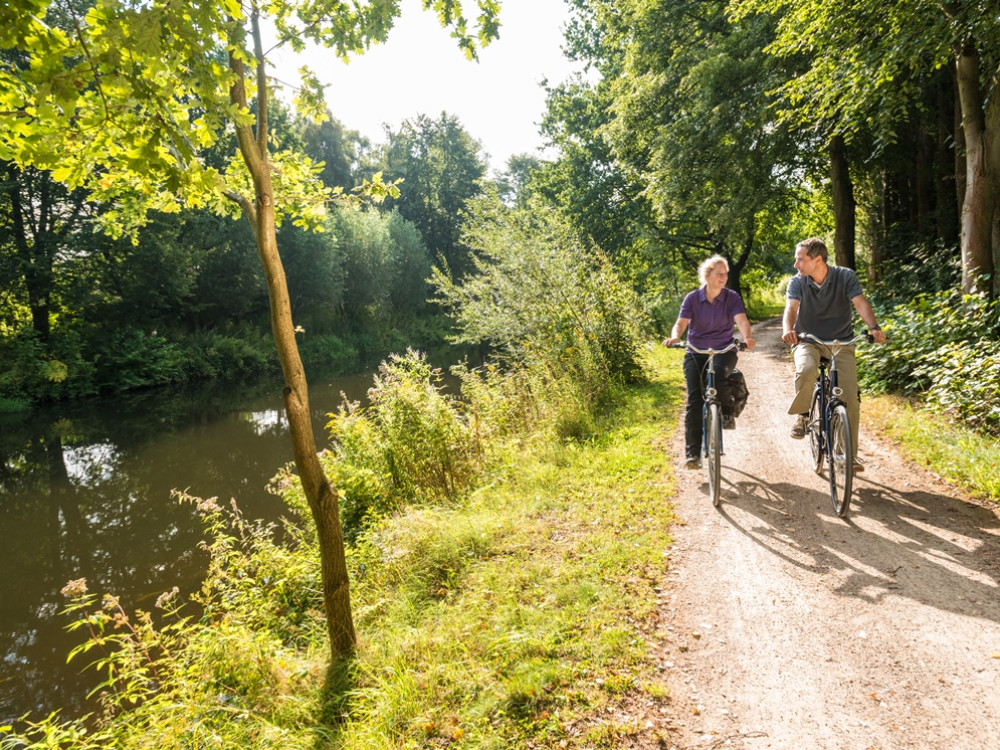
85, 492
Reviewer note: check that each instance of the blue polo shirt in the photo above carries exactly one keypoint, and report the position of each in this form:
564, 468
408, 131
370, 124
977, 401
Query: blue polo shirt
711, 324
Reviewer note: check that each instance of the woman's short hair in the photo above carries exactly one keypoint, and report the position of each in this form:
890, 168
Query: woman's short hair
707, 265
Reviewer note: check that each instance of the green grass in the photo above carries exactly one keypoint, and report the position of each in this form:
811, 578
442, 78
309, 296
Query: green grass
515, 619
511, 619
962, 456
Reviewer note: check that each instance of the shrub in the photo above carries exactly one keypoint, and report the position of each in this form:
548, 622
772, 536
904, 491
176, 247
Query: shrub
542, 298
943, 347
412, 443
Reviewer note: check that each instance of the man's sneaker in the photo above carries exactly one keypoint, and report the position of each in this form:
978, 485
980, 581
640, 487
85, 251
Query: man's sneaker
800, 427
693, 462
728, 422
858, 466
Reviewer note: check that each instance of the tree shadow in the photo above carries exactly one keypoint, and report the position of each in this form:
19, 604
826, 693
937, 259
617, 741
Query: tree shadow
338, 689
936, 550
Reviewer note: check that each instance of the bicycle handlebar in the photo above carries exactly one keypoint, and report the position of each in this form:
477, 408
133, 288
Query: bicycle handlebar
860, 337
733, 345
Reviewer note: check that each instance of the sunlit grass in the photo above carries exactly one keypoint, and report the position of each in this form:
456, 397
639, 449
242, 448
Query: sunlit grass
962, 456
545, 611
513, 618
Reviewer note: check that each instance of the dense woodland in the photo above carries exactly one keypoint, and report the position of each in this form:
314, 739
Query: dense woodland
712, 127
210, 229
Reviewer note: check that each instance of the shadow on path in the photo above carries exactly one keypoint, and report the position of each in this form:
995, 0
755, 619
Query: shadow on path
936, 550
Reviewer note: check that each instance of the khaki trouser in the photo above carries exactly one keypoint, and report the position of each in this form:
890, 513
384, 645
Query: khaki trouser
807, 356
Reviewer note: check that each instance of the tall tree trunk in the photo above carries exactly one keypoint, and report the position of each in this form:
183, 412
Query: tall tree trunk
320, 493
34, 248
844, 206
981, 127
738, 263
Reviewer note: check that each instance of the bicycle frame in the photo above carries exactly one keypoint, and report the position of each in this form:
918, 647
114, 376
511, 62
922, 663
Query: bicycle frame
711, 428
711, 393
828, 392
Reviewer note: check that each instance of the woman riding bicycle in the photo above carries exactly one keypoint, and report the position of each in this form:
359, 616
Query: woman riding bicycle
710, 312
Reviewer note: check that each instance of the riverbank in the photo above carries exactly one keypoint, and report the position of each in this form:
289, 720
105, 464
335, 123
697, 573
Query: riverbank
520, 616
531, 615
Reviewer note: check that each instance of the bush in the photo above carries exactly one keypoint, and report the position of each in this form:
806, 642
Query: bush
542, 298
411, 444
943, 347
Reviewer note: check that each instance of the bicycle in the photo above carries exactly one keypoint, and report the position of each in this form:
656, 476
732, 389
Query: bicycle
711, 419
829, 429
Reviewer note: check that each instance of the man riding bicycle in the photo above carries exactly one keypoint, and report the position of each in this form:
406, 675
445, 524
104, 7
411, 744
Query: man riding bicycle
818, 301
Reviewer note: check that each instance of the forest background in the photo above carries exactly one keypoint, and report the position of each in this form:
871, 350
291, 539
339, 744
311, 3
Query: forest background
710, 128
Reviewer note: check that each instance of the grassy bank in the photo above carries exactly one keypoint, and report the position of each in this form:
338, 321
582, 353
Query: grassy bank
931, 440
514, 618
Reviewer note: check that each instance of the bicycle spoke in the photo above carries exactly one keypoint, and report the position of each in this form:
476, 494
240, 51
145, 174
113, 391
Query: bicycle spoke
816, 434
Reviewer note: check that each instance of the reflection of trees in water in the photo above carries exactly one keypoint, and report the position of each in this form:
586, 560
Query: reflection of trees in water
89, 496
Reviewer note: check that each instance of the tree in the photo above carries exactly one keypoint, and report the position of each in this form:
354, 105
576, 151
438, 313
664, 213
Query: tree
119, 100
337, 148
41, 220
441, 166
514, 183
867, 63
692, 124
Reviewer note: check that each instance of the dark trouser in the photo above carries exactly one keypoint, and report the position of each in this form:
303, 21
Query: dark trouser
695, 366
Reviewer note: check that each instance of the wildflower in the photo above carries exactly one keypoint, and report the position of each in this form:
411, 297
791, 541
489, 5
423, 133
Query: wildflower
166, 597
208, 506
109, 602
75, 589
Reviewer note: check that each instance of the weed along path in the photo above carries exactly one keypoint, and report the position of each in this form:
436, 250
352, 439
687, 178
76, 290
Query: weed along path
786, 627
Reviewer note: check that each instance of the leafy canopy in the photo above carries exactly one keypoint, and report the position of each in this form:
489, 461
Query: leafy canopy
123, 96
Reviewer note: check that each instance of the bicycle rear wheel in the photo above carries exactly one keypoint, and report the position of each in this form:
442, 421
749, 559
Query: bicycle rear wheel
816, 443
713, 449
841, 460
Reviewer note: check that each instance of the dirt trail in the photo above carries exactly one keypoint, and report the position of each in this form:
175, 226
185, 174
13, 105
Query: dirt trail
790, 628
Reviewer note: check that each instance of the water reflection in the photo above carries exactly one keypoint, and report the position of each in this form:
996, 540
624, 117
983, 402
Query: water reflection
85, 492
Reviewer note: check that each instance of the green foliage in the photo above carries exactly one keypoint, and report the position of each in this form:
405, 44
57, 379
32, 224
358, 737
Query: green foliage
855, 79
385, 265
441, 167
543, 298
944, 347
411, 444
922, 269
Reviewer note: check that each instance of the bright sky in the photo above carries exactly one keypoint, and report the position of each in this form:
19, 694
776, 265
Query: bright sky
420, 70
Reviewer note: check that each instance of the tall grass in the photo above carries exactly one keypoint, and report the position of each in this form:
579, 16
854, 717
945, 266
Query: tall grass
512, 616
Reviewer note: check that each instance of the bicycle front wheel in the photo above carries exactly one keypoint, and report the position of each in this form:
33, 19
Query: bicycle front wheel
816, 442
713, 449
841, 460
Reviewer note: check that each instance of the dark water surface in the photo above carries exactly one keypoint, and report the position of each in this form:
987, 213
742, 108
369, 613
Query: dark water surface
85, 493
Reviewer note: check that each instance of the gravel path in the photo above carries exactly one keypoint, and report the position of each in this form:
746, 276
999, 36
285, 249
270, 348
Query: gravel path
787, 627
